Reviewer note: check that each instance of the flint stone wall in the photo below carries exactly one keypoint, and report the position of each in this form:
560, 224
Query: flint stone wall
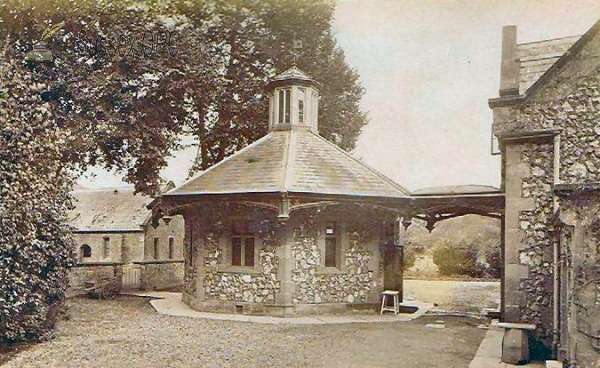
536, 249
351, 286
358, 277
581, 249
256, 287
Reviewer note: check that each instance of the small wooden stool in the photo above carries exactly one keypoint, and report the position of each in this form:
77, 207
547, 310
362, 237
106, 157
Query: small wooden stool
384, 300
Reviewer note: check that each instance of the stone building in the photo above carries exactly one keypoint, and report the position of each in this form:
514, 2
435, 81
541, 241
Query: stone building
290, 224
113, 230
547, 121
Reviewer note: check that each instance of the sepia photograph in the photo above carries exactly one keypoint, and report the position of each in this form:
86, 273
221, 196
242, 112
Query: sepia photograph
300, 183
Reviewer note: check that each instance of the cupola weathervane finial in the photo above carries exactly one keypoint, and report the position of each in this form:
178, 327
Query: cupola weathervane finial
296, 46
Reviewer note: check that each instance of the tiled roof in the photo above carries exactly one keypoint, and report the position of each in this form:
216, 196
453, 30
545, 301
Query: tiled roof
537, 57
109, 210
295, 161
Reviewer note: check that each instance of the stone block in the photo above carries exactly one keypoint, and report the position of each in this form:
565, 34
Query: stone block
512, 313
515, 346
515, 271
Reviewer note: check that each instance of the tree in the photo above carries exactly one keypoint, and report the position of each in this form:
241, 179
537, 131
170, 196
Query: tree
128, 80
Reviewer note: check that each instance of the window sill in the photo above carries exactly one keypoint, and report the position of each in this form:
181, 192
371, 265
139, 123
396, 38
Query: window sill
237, 269
329, 270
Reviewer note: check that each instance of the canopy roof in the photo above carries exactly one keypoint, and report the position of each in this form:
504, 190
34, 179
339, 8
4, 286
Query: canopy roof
456, 190
292, 161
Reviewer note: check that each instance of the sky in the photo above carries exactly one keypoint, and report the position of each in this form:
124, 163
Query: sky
428, 68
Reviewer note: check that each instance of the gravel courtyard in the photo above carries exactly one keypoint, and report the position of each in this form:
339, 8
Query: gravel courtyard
127, 332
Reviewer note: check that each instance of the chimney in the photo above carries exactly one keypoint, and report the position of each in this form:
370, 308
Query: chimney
509, 70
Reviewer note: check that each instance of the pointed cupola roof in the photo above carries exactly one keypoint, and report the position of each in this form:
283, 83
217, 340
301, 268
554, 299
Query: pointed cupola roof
293, 157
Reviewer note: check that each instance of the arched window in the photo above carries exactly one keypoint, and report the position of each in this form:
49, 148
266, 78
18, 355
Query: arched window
85, 251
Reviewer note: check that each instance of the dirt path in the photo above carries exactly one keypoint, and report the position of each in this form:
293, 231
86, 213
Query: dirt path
127, 332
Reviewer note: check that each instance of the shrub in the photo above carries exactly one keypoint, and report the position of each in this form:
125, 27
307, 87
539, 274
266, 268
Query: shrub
494, 263
409, 259
458, 259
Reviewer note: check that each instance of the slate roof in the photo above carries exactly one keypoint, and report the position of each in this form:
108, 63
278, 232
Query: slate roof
112, 209
537, 57
295, 161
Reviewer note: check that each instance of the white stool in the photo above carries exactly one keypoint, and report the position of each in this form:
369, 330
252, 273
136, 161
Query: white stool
384, 300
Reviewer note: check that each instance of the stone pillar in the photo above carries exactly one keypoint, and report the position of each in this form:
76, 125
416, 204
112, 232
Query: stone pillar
285, 235
515, 171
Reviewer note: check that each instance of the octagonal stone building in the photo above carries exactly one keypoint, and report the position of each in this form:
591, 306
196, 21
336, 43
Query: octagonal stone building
291, 224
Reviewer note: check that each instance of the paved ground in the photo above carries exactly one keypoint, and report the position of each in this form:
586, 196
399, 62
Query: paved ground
127, 332
170, 304
489, 352
469, 296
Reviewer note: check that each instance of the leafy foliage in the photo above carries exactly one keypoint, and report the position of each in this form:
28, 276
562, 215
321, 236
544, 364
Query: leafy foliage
35, 248
457, 260
409, 259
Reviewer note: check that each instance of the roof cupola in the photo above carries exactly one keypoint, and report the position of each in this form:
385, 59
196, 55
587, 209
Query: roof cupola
293, 101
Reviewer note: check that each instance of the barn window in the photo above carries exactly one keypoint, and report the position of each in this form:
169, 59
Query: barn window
85, 251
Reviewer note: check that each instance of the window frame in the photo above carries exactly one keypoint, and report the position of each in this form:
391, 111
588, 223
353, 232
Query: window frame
82, 252
246, 264
105, 246
155, 248
284, 106
339, 235
171, 247
243, 235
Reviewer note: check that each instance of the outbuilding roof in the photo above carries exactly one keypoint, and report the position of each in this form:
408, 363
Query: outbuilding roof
109, 209
293, 161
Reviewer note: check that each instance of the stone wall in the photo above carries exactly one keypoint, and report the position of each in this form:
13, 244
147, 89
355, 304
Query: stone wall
358, 276
536, 249
253, 287
79, 274
174, 229
289, 271
351, 286
123, 247
160, 275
